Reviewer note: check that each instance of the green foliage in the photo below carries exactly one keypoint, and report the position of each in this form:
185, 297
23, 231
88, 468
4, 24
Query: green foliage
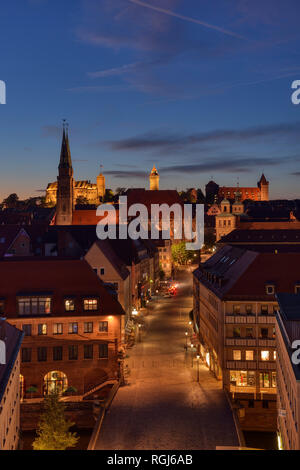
108, 196
179, 254
11, 201
53, 429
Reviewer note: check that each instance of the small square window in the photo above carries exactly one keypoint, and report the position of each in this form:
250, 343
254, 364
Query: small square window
249, 355
42, 328
236, 309
237, 355
69, 305
102, 271
90, 304
265, 355
249, 309
103, 326
270, 289
88, 327
57, 328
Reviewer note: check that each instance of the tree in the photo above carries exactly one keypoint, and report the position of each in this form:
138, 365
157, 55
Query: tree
11, 201
108, 196
32, 389
179, 253
53, 429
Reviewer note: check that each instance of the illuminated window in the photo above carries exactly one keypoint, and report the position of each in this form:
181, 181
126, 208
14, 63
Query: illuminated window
73, 328
236, 332
237, 355
265, 355
236, 309
274, 355
90, 304
1, 307
34, 305
297, 289
249, 355
42, 328
57, 328
69, 305
274, 382
264, 379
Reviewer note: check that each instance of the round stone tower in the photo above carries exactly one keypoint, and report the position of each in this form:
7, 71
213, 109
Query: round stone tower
154, 179
101, 186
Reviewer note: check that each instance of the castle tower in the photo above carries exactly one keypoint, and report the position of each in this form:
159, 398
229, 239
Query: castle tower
100, 186
263, 185
154, 179
65, 184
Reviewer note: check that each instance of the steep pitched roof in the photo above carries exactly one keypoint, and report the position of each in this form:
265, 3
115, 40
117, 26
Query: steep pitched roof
65, 153
63, 277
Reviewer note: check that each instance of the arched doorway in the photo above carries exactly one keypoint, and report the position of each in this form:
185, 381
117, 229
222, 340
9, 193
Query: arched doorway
55, 382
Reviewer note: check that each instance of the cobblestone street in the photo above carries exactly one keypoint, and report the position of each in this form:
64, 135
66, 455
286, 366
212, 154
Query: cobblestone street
164, 407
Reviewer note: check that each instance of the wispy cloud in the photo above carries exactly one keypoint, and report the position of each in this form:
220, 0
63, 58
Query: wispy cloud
187, 18
163, 141
100, 89
116, 70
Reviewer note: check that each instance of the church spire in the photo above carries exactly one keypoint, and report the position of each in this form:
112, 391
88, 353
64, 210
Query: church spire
65, 154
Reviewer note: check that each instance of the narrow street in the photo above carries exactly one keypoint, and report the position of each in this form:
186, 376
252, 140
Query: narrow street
164, 407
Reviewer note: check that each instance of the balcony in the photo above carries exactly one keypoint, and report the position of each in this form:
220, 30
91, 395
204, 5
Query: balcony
240, 342
240, 319
265, 319
267, 342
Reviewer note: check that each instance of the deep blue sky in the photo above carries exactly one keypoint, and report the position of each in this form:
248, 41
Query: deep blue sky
201, 88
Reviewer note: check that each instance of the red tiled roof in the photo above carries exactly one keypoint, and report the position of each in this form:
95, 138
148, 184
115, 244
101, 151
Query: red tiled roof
282, 270
60, 276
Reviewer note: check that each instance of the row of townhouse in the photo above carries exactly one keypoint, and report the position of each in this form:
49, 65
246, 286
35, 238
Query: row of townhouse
234, 314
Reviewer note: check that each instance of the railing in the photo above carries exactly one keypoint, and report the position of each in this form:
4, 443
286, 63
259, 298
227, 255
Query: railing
101, 416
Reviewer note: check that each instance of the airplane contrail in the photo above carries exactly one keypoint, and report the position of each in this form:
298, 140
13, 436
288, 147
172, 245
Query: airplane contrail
187, 18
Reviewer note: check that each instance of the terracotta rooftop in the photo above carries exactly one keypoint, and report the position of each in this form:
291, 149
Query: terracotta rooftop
58, 277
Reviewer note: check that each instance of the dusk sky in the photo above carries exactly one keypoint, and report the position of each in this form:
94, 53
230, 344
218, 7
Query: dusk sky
200, 88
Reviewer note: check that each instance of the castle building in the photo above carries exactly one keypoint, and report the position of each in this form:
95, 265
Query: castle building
91, 192
154, 179
259, 193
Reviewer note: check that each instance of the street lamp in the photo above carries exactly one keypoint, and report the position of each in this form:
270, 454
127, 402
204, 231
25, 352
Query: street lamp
140, 332
186, 337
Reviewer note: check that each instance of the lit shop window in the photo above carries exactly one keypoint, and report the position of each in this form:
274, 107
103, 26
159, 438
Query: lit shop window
237, 355
90, 304
69, 305
34, 305
249, 355
265, 355
242, 378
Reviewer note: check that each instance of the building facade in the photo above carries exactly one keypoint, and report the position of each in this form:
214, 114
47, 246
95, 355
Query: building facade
10, 386
234, 313
72, 324
288, 372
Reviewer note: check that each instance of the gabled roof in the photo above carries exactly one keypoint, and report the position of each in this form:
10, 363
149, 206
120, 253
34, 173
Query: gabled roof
236, 273
113, 258
63, 277
8, 234
148, 197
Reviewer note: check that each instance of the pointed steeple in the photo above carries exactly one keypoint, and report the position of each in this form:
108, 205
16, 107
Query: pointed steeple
65, 154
